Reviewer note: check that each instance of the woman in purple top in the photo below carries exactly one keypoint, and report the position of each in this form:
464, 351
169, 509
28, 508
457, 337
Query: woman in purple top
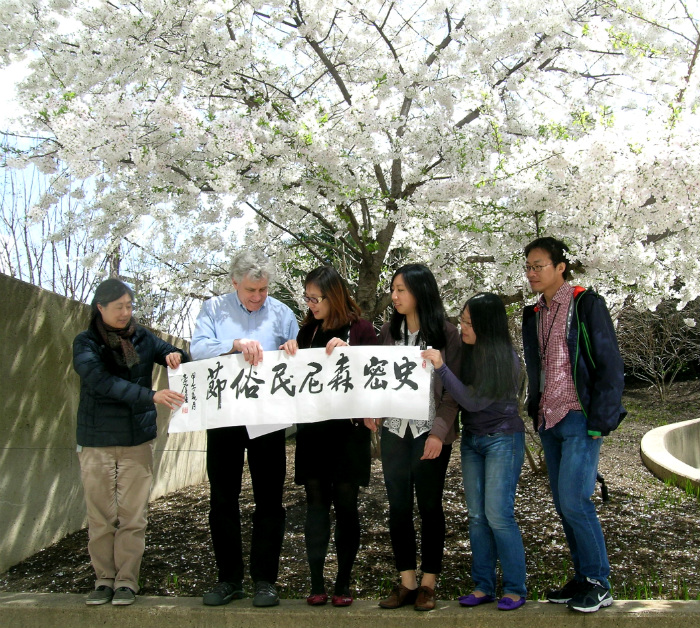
493, 447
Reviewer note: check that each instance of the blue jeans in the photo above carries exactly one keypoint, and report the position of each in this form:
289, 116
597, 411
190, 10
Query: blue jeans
491, 466
572, 463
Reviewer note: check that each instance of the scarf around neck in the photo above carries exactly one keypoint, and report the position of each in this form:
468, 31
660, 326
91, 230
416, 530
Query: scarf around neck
119, 341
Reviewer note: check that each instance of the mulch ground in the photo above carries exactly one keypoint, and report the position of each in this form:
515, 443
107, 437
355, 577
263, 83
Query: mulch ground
652, 530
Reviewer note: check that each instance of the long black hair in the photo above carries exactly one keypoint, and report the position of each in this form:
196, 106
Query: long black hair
489, 364
421, 283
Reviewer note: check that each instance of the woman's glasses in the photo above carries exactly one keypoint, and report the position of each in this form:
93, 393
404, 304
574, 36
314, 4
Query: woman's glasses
314, 300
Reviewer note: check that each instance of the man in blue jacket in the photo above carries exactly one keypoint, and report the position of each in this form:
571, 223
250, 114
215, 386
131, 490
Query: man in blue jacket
250, 322
575, 382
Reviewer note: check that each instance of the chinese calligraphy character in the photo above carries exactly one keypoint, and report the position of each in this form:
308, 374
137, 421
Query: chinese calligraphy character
342, 375
376, 371
185, 389
193, 388
279, 381
216, 385
247, 385
315, 385
403, 371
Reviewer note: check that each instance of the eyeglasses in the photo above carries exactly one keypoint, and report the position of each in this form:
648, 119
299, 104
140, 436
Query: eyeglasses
464, 323
314, 300
536, 268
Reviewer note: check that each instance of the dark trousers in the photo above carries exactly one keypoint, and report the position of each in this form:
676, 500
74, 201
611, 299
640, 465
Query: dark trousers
320, 494
405, 472
267, 463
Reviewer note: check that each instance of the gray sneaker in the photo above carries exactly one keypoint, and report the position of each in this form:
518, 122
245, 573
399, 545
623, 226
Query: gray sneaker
265, 594
101, 595
123, 596
223, 593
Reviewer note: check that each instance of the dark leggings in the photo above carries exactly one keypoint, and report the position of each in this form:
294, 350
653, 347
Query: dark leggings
320, 494
404, 474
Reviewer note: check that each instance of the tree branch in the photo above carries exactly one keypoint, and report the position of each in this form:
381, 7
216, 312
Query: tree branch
331, 69
284, 229
387, 41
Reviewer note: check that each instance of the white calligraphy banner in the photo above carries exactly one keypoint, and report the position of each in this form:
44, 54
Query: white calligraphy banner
352, 382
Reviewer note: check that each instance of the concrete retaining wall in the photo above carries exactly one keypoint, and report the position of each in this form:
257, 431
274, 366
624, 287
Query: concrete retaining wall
672, 452
41, 498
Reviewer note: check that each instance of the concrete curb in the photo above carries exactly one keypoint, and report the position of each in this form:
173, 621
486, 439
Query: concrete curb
59, 610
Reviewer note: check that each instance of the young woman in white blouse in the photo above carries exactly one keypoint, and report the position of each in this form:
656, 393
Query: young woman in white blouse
415, 453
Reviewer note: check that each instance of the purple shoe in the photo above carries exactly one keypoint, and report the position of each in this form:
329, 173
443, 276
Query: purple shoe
473, 600
509, 604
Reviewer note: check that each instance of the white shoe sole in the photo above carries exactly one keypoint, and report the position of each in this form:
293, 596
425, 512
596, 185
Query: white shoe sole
592, 609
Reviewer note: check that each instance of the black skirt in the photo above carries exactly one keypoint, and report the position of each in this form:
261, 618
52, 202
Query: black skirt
337, 450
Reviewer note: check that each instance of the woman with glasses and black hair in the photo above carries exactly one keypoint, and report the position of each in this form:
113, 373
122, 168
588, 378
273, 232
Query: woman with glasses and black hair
332, 457
493, 447
415, 454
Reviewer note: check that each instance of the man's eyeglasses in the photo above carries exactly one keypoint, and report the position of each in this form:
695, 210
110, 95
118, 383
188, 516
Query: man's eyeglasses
536, 268
314, 300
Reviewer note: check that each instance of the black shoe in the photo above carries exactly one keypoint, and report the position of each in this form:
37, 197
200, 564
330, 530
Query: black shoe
265, 594
591, 599
563, 595
223, 593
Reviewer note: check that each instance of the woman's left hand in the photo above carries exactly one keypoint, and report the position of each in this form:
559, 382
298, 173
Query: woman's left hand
434, 356
373, 424
290, 347
170, 398
174, 359
433, 447
335, 342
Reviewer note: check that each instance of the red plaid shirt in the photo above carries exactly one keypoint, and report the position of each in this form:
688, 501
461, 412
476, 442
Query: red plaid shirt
559, 394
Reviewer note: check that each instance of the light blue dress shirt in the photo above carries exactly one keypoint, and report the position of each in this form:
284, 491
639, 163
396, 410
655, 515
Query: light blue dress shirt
224, 319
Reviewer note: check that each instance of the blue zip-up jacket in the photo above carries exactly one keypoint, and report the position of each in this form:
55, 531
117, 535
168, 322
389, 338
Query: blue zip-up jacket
596, 363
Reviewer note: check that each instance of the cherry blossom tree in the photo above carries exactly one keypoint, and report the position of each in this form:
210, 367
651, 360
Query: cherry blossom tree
49, 248
372, 133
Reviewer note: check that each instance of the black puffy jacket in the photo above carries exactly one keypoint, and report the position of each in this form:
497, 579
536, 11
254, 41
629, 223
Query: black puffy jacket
116, 403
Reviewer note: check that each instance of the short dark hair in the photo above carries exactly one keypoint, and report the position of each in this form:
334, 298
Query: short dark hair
556, 249
109, 290
421, 283
343, 309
